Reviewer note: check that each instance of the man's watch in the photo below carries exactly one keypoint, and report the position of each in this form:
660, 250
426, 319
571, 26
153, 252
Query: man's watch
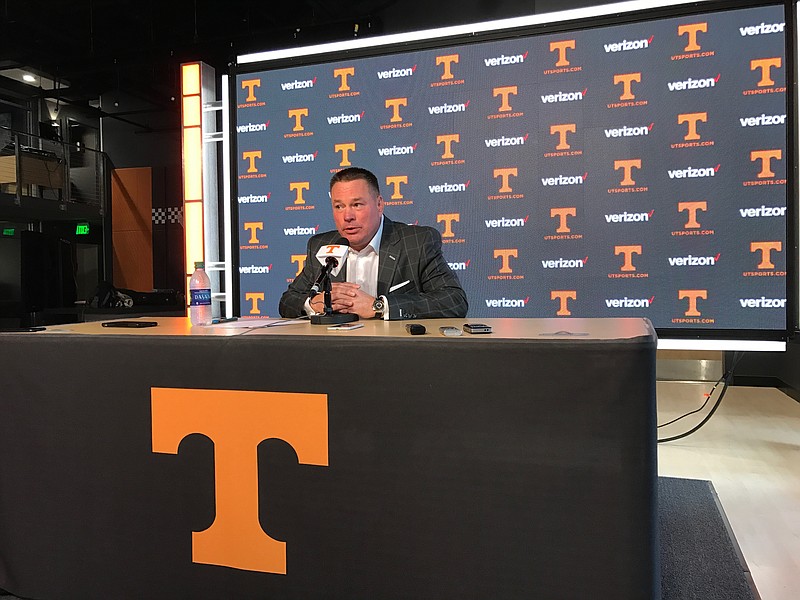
379, 307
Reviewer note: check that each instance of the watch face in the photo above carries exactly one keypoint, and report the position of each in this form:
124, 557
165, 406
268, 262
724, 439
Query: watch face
377, 306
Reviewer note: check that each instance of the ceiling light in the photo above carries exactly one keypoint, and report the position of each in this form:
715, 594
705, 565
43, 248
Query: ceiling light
32, 77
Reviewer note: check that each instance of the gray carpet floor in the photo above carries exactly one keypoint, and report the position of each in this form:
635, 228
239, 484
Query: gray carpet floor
700, 560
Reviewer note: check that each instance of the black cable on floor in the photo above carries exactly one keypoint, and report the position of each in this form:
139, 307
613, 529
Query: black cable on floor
725, 380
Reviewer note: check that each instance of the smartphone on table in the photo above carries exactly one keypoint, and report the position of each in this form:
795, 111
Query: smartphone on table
130, 324
477, 328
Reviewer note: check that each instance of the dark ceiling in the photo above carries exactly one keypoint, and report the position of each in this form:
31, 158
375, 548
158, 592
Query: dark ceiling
93, 47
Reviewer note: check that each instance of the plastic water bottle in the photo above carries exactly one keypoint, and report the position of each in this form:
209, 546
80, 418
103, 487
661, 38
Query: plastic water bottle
200, 296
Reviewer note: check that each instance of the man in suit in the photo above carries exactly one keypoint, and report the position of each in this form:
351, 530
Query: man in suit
393, 270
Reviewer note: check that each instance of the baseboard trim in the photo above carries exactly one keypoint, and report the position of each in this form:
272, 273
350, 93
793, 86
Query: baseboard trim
775, 382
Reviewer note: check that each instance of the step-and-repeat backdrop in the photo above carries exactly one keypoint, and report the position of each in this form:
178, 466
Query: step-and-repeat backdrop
626, 170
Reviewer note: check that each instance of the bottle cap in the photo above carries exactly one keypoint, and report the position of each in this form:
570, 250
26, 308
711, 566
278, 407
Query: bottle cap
200, 264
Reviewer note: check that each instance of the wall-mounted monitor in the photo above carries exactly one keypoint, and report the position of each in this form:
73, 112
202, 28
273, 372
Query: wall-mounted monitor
613, 165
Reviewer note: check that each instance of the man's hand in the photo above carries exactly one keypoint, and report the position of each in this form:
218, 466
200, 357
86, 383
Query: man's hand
346, 298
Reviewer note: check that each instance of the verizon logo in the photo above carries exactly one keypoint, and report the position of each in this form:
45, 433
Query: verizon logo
763, 211
627, 217
626, 45
254, 199
345, 119
565, 263
449, 187
459, 266
762, 120
507, 303
393, 73
762, 29
397, 150
299, 158
691, 172
255, 270
448, 108
762, 302
506, 222
563, 97
298, 85
252, 127
693, 261
300, 230
629, 131
629, 302
693, 84
565, 180
501, 60
506, 141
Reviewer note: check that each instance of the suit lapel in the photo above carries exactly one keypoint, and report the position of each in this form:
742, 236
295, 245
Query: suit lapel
387, 257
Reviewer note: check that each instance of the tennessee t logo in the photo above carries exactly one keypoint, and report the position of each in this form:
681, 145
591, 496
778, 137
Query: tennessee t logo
300, 259
563, 296
692, 296
504, 174
394, 181
250, 85
691, 31
627, 252
562, 214
765, 66
766, 248
297, 187
504, 92
561, 131
561, 49
237, 422
627, 167
447, 61
766, 156
253, 227
394, 104
692, 208
448, 220
505, 256
625, 79
254, 298
343, 74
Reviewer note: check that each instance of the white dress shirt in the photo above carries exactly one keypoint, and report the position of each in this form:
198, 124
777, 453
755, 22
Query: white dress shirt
362, 268
362, 265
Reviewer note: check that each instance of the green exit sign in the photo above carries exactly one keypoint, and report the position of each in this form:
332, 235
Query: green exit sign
8, 231
82, 229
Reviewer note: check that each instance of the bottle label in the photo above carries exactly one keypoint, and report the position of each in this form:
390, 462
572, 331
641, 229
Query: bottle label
200, 297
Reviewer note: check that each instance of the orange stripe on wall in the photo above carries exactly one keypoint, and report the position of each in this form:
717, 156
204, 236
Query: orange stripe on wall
132, 228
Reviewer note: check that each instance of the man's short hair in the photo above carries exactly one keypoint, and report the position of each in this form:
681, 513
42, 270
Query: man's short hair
354, 173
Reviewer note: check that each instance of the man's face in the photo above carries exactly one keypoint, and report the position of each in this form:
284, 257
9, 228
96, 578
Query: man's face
357, 211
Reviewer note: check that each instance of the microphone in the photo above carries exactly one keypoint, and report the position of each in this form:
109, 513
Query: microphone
332, 257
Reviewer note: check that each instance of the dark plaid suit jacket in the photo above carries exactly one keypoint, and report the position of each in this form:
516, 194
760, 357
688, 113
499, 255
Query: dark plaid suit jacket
412, 274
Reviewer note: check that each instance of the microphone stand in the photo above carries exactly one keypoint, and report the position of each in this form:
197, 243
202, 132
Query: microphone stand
328, 317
